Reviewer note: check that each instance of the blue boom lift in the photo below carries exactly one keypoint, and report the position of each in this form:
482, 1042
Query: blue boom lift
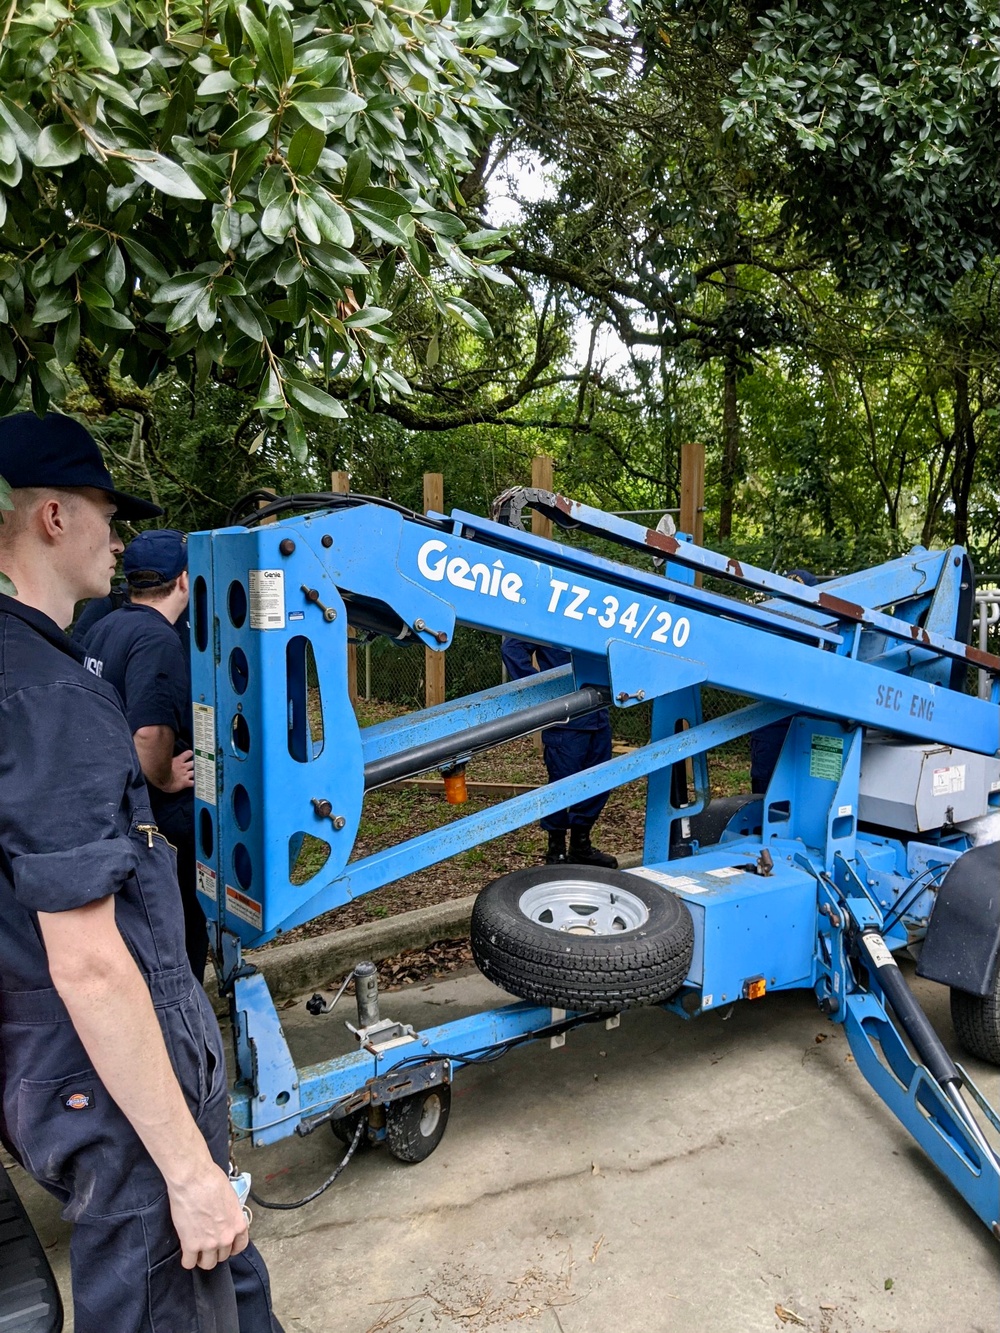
866, 841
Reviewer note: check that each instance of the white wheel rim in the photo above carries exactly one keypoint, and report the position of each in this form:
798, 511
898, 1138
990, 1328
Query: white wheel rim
430, 1115
581, 907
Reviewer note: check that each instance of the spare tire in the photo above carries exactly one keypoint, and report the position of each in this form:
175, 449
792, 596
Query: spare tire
581, 937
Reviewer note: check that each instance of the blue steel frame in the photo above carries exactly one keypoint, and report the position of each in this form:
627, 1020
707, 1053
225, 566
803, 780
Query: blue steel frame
270, 613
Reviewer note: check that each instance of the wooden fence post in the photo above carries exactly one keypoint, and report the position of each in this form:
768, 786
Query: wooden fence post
541, 479
434, 678
692, 513
340, 484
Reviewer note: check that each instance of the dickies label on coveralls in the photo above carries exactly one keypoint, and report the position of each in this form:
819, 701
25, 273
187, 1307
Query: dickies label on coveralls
80, 1099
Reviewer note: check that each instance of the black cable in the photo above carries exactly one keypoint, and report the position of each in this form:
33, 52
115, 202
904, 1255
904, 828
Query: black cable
488, 1054
298, 1203
257, 506
897, 912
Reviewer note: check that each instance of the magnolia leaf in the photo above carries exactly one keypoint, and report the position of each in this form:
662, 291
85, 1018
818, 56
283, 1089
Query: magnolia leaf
58, 146
333, 221
314, 400
243, 317
93, 48
380, 226
296, 436
245, 131
363, 319
303, 152
357, 174
146, 262
214, 84
469, 315
164, 175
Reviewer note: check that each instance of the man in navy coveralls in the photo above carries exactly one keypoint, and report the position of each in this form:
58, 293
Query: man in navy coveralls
114, 1082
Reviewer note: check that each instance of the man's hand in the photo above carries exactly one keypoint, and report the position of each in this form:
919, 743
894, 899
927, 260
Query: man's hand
208, 1218
181, 772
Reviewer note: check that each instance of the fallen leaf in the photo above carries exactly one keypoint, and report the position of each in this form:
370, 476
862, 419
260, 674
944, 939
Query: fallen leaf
821, 1036
471, 1311
789, 1316
888, 1284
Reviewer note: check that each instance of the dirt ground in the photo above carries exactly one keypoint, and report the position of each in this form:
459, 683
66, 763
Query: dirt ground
391, 816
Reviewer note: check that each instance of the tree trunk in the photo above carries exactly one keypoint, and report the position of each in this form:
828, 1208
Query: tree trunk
966, 449
730, 431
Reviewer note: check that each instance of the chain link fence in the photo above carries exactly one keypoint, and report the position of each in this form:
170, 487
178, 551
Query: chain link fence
396, 675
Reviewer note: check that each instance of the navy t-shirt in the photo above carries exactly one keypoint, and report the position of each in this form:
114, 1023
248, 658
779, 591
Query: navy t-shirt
138, 651
73, 807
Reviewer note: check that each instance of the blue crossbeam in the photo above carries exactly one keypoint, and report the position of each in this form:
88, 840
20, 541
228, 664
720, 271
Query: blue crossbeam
321, 1085
405, 858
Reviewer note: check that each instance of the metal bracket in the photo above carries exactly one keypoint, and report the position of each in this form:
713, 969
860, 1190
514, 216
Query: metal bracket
390, 1087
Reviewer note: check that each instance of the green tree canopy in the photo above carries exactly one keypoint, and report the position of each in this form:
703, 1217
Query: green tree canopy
251, 188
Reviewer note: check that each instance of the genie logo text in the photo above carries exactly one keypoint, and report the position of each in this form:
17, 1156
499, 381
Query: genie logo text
490, 581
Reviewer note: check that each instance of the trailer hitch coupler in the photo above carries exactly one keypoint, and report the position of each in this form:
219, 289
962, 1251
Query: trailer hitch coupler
366, 994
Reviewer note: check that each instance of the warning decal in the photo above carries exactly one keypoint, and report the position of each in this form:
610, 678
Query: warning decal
949, 781
204, 753
267, 599
246, 908
826, 757
206, 881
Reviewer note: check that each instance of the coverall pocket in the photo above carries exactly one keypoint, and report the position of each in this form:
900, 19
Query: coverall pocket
172, 1307
72, 1135
184, 1038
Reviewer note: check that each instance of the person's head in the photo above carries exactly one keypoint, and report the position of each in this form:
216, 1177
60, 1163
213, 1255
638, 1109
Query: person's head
155, 566
58, 544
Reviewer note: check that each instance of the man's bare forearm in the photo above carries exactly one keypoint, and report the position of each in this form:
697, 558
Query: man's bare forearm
155, 748
111, 1010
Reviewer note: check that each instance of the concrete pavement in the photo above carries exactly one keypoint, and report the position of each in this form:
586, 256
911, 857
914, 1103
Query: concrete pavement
727, 1175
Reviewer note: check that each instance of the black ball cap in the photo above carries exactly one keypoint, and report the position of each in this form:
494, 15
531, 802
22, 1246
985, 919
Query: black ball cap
55, 450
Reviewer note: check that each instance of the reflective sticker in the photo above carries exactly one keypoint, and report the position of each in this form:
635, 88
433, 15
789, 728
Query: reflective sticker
204, 753
877, 950
246, 908
267, 599
669, 881
948, 781
826, 757
206, 881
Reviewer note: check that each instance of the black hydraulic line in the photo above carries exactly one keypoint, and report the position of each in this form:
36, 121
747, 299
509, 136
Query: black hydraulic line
432, 754
287, 1205
904, 1005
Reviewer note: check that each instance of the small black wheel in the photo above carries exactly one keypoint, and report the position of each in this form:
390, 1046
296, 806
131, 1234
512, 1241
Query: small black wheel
976, 1020
580, 937
414, 1126
344, 1130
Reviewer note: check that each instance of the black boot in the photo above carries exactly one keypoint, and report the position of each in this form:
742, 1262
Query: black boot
581, 853
555, 853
